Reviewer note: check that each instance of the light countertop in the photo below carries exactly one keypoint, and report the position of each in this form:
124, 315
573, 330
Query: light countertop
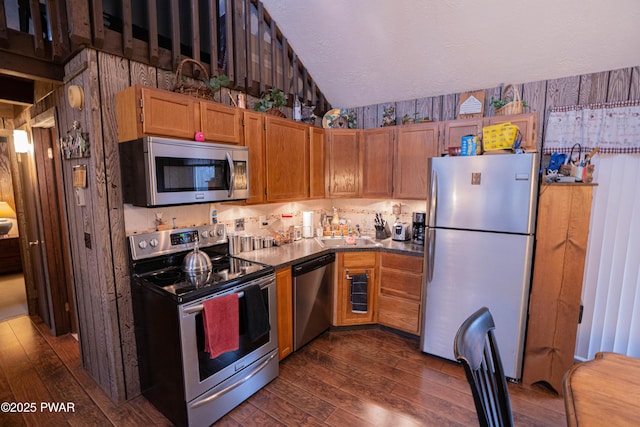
302, 250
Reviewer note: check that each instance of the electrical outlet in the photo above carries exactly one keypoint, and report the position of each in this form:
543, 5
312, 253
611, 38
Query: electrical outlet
263, 221
239, 224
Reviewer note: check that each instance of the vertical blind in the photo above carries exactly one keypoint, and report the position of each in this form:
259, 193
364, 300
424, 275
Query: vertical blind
611, 285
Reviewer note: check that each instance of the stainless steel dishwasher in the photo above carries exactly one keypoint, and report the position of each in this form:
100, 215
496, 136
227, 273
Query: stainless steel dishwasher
311, 299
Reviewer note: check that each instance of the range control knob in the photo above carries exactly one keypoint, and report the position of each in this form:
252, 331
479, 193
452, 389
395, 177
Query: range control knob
153, 243
205, 234
220, 231
142, 244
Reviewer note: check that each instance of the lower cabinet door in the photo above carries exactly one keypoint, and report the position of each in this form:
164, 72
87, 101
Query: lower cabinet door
399, 313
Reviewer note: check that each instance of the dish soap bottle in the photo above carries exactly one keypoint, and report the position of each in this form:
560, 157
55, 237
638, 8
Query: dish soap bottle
335, 221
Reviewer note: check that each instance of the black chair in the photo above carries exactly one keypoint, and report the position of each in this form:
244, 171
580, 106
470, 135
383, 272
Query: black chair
475, 346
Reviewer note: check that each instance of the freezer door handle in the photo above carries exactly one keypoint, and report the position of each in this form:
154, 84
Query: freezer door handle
431, 246
433, 199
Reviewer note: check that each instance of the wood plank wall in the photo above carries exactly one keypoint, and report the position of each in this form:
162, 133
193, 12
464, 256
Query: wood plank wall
609, 86
105, 353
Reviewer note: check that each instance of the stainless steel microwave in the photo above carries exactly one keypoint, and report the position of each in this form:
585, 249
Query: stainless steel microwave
162, 171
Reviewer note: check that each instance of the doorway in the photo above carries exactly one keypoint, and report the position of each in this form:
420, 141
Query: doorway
13, 299
42, 229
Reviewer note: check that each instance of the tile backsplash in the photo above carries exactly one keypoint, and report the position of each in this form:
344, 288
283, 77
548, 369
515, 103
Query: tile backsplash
359, 211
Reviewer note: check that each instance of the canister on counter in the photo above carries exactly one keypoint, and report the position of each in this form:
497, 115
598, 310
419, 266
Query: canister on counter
257, 242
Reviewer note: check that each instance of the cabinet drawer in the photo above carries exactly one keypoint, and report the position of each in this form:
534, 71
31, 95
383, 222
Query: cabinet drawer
411, 264
400, 284
359, 259
399, 313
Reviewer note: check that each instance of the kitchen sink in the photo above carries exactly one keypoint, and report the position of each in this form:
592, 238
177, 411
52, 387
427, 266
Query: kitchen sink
358, 242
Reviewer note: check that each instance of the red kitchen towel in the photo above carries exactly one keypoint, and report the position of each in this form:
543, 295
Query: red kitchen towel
221, 325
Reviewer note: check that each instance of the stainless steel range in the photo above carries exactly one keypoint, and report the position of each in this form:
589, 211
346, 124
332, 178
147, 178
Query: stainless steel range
176, 373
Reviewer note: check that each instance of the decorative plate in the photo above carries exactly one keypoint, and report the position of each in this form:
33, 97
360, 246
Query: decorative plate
338, 118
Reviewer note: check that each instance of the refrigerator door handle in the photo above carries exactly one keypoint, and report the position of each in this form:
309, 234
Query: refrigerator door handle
433, 199
431, 246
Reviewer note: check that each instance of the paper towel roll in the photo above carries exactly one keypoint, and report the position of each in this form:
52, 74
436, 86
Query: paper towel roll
307, 224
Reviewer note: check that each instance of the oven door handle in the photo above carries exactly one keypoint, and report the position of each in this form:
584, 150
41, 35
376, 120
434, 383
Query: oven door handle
199, 307
236, 384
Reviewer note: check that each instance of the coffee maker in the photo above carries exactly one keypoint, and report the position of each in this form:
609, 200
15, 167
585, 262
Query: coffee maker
419, 224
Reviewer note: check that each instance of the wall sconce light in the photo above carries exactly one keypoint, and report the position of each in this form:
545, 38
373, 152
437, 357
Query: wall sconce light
21, 142
6, 219
75, 96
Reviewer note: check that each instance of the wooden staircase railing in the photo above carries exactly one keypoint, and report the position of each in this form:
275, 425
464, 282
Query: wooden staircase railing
159, 33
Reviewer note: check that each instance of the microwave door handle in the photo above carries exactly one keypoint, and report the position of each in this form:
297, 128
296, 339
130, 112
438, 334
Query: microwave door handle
232, 174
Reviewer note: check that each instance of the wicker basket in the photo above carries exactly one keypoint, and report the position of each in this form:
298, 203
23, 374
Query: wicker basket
513, 107
198, 88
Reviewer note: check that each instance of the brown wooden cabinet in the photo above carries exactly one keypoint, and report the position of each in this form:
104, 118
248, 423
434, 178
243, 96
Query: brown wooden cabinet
377, 162
142, 110
344, 171
400, 294
254, 139
317, 153
554, 307
348, 264
527, 123
286, 159
146, 111
220, 122
414, 145
454, 130
284, 297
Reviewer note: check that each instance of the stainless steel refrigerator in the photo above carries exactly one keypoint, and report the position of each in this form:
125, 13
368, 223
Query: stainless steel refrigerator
479, 248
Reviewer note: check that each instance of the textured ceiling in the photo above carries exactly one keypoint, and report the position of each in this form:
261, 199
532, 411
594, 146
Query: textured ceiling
364, 52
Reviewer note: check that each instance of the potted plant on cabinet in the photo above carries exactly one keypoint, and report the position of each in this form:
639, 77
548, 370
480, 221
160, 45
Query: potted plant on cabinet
271, 102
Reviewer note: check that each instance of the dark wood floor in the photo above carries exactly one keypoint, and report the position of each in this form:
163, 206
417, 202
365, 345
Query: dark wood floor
357, 377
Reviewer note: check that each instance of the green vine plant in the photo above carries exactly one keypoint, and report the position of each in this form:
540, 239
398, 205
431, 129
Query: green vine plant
275, 98
498, 103
218, 82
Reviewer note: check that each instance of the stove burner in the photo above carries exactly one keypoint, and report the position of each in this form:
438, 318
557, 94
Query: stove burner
166, 277
164, 273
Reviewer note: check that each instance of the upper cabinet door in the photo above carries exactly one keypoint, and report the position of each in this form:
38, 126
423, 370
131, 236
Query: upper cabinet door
254, 137
144, 111
454, 130
414, 145
286, 159
317, 153
221, 123
344, 162
377, 162
527, 123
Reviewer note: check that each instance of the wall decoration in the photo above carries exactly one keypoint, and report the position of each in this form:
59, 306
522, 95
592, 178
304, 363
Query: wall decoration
76, 144
471, 105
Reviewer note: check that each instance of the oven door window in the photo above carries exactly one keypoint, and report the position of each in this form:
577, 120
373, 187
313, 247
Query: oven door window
209, 367
185, 175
